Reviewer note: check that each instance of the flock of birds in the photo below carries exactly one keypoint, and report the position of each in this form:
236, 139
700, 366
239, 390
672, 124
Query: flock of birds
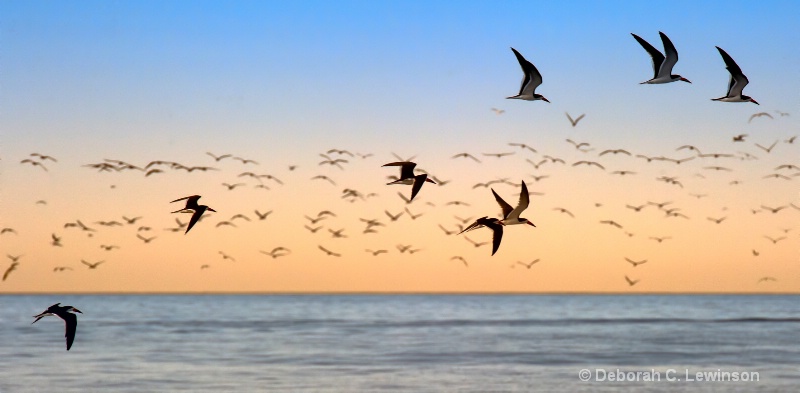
663, 64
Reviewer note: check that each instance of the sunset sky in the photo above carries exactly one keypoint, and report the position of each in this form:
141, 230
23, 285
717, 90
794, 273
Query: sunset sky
283, 82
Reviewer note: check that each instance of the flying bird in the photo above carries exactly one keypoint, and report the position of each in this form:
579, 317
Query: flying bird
494, 224
574, 121
407, 177
65, 313
92, 265
662, 65
511, 215
635, 263
530, 81
759, 114
191, 204
329, 252
737, 82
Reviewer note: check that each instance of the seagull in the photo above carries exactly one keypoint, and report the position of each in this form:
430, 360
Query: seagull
329, 252
494, 224
511, 215
529, 264
91, 265
530, 80
65, 313
631, 282
407, 177
753, 116
737, 82
662, 66
191, 204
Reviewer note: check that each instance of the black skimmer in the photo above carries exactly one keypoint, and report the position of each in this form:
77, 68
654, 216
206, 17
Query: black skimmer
737, 82
407, 177
530, 80
494, 224
511, 215
65, 313
574, 121
191, 204
662, 65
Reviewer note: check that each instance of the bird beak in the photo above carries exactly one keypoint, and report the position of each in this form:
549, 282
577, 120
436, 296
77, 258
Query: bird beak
686, 80
546, 100
530, 223
754, 101
76, 310
212, 210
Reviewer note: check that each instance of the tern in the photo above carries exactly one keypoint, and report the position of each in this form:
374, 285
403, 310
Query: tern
737, 82
662, 65
511, 215
191, 204
494, 224
407, 177
65, 313
530, 80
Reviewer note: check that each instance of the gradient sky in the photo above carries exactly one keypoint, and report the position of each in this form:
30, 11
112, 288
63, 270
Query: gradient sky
282, 82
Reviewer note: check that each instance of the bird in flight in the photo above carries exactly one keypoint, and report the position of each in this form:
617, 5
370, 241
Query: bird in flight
407, 177
494, 224
329, 252
574, 121
531, 79
529, 264
191, 204
635, 263
737, 82
65, 313
511, 215
92, 265
631, 282
662, 65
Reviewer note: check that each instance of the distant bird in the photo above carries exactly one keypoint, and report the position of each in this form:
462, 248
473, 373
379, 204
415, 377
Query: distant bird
14, 258
498, 111
92, 265
574, 121
589, 163
65, 313
56, 240
774, 209
631, 282
739, 138
716, 220
376, 252
226, 256
494, 224
498, 155
565, 211
612, 223
61, 268
232, 186
756, 253
220, 157
108, 247
245, 160
635, 263
10, 269
262, 216
277, 252
529, 264
44, 157
191, 204
775, 240
660, 239
764, 279
323, 177
759, 114
131, 220
767, 149
34, 163
614, 152
412, 215
662, 65
313, 230
737, 81
407, 177
466, 155
148, 239
329, 252
392, 216
8, 230
522, 146
530, 81
460, 258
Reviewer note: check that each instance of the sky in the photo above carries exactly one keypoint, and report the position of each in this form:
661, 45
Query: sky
283, 83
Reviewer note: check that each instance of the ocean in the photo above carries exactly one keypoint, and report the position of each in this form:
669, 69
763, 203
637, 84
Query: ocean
403, 343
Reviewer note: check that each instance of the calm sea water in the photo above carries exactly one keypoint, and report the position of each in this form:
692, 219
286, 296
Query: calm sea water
415, 343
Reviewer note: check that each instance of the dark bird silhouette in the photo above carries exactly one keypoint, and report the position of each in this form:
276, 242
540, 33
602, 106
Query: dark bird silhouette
635, 263
329, 252
631, 282
65, 313
10, 269
574, 121
492, 223
191, 204
662, 65
531, 79
92, 265
737, 81
529, 264
407, 177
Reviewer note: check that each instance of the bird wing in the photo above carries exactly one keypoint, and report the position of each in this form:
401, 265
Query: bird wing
419, 180
658, 57
71, 322
671, 56
497, 235
507, 209
738, 81
531, 78
195, 217
524, 200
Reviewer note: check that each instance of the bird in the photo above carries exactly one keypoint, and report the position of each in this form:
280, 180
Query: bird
9, 230
574, 121
412, 215
530, 81
56, 240
662, 65
631, 282
191, 204
775, 240
635, 263
262, 216
511, 215
313, 230
407, 177
466, 155
10, 269
496, 225
737, 81
498, 111
329, 252
376, 252
759, 114
232, 186
529, 264
148, 239
91, 265
767, 149
392, 216
739, 138
65, 313
277, 252
460, 258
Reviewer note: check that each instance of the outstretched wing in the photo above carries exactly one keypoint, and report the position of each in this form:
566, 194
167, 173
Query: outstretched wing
658, 57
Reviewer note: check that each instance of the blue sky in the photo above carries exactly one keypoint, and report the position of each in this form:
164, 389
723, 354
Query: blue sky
284, 81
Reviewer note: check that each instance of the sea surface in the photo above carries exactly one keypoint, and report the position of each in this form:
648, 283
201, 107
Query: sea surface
403, 343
